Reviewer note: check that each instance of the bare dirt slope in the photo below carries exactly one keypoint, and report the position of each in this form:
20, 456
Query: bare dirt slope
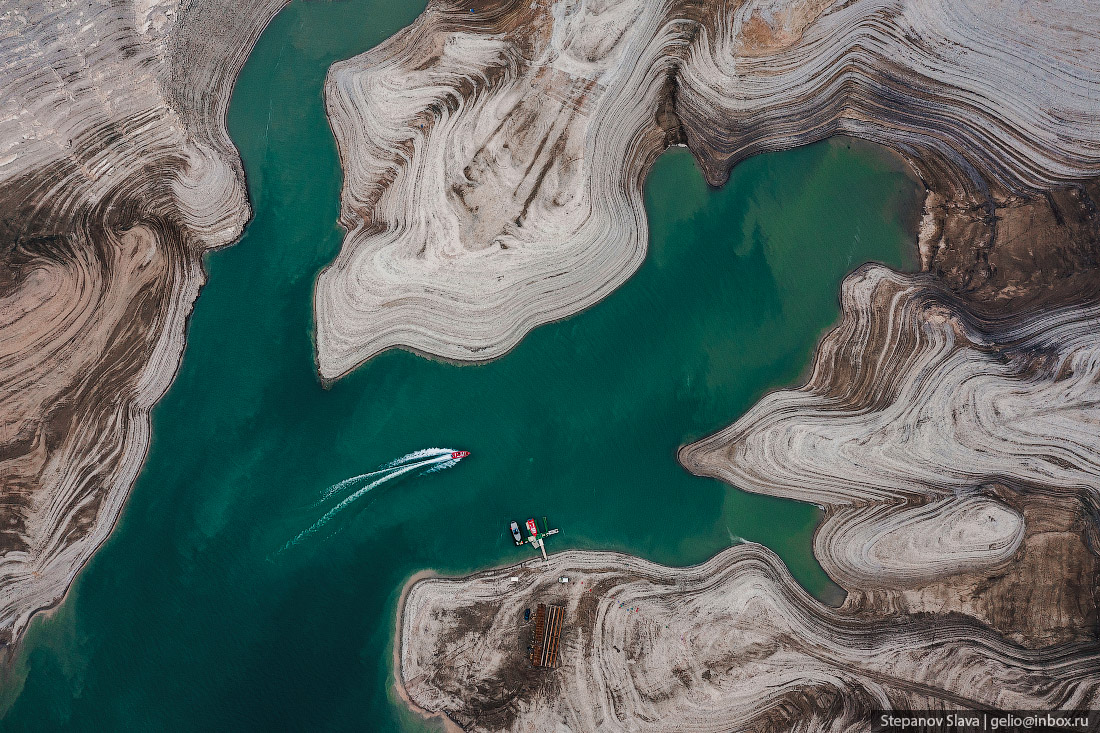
116, 173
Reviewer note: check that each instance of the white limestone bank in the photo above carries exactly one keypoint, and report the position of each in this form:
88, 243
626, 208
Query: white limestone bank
116, 173
732, 644
494, 190
957, 458
494, 159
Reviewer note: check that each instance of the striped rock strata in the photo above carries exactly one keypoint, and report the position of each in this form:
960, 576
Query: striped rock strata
494, 158
732, 644
957, 458
493, 177
116, 173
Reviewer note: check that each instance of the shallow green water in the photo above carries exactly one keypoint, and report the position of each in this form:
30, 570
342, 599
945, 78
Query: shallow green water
193, 616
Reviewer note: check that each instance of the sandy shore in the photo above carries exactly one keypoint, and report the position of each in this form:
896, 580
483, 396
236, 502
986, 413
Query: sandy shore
447, 724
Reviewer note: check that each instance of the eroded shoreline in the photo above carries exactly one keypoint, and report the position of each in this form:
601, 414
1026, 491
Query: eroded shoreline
398, 681
117, 176
731, 643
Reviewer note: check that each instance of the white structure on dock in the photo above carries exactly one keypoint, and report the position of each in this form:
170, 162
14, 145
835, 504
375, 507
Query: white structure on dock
538, 538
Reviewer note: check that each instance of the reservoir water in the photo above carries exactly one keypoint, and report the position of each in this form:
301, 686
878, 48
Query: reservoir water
234, 594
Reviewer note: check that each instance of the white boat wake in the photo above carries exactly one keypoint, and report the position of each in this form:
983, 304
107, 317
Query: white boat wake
418, 454
338, 487
420, 457
425, 461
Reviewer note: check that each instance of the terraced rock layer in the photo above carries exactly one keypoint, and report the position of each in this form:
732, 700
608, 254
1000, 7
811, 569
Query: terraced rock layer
733, 644
116, 173
957, 458
494, 158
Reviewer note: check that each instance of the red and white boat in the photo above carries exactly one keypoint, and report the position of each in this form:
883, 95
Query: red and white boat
459, 454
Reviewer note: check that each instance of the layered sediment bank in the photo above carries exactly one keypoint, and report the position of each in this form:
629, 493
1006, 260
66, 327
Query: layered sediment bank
116, 173
494, 158
957, 457
732, 644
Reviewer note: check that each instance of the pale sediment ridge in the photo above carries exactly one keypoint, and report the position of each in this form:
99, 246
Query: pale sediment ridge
476, 188
494, 159
934, 438
116, 172
438, 717
732, 644
913, 395
1003, 92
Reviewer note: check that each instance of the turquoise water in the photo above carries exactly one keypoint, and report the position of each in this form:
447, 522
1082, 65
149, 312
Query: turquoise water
203, 611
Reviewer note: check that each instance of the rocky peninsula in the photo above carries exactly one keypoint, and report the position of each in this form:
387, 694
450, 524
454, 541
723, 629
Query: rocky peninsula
116, 174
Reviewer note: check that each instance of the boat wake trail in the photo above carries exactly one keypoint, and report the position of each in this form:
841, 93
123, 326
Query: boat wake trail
338, 487
441, 466
420, 457
419, 462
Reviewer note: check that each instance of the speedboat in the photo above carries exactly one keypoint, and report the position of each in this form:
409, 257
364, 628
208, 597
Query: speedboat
515, 533
459, 454
532, 527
